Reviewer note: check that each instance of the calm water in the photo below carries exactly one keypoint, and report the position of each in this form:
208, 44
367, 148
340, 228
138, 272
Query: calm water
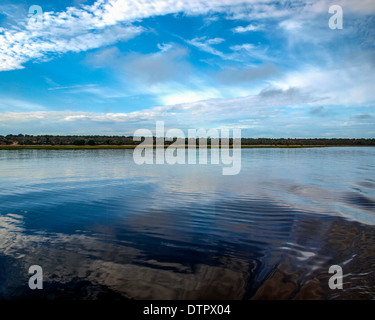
103, 227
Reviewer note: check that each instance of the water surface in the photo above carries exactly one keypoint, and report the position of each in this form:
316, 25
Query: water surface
103, 227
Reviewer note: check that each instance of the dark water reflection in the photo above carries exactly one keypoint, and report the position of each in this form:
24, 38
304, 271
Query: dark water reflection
104, 228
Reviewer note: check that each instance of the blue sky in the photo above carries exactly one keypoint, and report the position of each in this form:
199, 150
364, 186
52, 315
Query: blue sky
271, 68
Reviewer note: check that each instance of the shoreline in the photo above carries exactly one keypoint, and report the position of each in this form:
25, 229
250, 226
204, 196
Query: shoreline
73, 147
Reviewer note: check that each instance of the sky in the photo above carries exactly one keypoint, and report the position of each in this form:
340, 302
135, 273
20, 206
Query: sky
109, 67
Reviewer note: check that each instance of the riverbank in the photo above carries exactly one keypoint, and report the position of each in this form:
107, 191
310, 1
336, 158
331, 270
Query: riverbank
72, 147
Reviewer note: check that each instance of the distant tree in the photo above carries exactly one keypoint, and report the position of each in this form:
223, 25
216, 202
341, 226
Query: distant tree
91, 142
79, 142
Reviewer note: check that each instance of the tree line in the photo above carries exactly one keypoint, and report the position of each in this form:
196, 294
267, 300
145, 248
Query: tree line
92, 140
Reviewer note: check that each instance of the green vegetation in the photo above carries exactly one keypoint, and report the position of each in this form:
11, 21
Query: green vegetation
58, 147
22, 141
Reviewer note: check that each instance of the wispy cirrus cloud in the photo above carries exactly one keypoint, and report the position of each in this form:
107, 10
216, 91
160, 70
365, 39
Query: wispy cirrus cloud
248, 28
250, 51
207, 45
19, 105
239, 52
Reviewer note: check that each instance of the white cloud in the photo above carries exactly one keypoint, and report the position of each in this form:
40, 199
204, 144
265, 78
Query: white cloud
103, 23
206, 45
248, 28
214, 41
165, 74
249, 50
349, 6
109, 21
189, 96
212, 109
240, 52
272, 112
88, 27
348, 84
18, 47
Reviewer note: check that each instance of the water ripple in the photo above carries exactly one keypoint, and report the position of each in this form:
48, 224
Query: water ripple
103, 228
